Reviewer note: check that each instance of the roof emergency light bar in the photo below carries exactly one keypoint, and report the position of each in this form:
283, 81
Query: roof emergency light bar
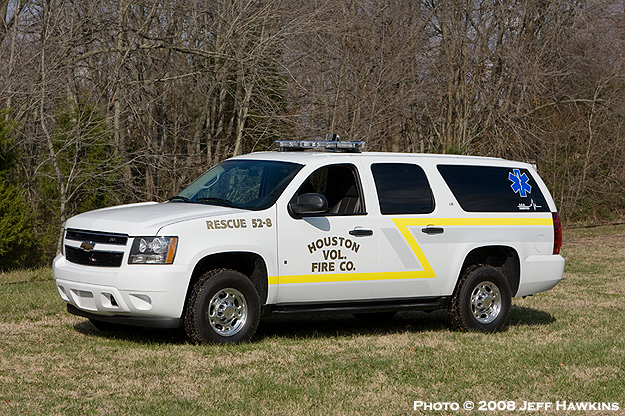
331, 143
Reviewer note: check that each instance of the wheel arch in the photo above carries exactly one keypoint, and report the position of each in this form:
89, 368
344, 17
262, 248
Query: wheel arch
250, 264
503, 258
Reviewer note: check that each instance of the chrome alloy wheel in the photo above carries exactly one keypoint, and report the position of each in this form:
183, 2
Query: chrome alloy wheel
486, 302
227, 312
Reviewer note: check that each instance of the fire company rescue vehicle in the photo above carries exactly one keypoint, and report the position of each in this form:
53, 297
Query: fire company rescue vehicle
331, 229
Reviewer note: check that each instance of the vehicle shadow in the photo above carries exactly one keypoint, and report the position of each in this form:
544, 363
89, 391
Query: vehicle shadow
323, 326
139, 335
307, 326
524, 316
338, 325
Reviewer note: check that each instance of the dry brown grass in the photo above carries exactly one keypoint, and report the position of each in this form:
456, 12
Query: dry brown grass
565, 344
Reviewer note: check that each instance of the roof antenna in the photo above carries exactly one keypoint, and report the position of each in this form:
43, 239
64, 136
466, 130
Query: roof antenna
332, 137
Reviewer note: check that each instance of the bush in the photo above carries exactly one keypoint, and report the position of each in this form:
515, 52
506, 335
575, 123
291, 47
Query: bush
18, 246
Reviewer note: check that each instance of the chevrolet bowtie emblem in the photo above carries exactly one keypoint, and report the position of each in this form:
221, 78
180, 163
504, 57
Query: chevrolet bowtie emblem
87, 245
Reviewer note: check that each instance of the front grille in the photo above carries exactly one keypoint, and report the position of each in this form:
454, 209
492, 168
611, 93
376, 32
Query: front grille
96, 237
94, 258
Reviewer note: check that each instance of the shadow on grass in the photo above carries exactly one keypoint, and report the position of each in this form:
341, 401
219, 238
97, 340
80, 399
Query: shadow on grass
523, 316
345, 325
323, 326
404, 322
139, 335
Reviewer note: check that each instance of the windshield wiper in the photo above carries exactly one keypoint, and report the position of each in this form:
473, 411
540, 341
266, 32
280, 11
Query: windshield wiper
218, 201
179, 198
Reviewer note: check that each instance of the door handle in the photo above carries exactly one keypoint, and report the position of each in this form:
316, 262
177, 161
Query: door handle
433, 230
361, 232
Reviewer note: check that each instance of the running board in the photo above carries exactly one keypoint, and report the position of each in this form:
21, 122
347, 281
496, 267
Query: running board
421, 304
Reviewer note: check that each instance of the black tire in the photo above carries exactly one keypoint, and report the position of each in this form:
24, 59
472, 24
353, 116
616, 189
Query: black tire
223, 308
375, 316
482, 300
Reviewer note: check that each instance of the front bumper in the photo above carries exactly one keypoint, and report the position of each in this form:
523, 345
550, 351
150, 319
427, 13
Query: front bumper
128, 320
131, 293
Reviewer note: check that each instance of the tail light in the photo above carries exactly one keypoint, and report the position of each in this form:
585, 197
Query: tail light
557, 233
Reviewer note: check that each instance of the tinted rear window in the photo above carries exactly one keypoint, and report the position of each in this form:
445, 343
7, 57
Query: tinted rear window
402, 188
494, 189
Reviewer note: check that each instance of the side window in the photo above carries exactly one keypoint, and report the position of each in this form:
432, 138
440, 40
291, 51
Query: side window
494, 189
340, 185
402, 188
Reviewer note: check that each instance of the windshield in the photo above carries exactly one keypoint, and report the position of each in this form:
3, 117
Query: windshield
245, 184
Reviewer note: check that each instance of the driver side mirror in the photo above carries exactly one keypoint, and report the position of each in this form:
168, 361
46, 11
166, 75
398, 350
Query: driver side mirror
309, 204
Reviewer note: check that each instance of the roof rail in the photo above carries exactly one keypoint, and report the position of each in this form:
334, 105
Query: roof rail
330, 144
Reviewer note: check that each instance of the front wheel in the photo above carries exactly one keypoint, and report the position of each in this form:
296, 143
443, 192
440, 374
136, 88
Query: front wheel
223, 307
482, 301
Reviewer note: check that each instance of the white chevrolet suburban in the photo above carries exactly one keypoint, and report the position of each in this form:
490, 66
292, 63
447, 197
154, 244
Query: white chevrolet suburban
333, 230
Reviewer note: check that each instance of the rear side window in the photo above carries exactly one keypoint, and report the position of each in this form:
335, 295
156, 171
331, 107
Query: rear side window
402, 188
494, 189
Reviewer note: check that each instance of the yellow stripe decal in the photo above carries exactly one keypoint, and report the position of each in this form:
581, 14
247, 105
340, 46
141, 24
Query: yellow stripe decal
345, 277
499, 221
326, 278
413, 274
273, 280
402, 224
411, 222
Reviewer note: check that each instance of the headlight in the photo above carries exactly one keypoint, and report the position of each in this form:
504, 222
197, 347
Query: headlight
153, 250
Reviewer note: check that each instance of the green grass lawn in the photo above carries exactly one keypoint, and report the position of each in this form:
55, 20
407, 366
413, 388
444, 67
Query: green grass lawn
565, 344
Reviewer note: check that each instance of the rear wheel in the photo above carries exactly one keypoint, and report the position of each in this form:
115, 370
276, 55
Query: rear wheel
223, 307
482, 301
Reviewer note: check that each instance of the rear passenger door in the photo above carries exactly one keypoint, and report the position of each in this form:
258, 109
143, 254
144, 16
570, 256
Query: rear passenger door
412, 244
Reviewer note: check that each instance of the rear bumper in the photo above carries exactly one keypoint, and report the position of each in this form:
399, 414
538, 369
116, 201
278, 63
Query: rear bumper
540, 273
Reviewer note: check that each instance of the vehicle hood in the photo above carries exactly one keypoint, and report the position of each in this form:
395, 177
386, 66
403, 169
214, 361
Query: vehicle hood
144, 218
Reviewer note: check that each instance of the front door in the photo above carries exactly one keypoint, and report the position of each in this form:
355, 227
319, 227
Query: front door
330, 256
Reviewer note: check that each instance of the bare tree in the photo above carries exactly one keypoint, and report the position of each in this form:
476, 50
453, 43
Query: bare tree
118, 101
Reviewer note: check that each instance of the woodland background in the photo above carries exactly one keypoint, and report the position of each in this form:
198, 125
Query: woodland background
107, 102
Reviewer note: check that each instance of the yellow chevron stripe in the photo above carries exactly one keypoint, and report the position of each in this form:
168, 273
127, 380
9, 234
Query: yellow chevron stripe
402, 224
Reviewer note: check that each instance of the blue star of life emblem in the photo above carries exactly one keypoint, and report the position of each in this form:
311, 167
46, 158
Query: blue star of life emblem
519, 183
